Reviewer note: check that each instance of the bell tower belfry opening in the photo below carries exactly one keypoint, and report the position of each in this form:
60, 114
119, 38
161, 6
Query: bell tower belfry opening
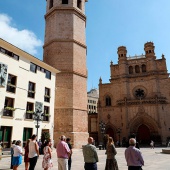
65, 49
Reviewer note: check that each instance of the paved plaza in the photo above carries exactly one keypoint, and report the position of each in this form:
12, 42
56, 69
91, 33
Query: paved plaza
154, 160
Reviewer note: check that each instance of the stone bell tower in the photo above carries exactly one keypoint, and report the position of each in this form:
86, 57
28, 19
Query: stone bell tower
65, 49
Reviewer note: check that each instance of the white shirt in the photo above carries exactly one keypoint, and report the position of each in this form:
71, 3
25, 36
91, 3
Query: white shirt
32, 151
17, 150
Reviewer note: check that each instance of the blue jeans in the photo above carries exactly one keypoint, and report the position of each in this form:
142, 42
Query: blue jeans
90, 166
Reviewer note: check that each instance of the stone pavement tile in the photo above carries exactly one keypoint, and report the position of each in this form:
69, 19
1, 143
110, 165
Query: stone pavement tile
154, 160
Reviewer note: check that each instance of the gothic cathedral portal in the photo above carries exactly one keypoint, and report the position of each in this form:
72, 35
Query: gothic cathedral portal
65, 49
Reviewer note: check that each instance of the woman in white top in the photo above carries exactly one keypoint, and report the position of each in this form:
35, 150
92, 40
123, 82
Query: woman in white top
33, 152
17, 156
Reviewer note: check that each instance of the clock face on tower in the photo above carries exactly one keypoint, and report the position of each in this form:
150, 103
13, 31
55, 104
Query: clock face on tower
139, 93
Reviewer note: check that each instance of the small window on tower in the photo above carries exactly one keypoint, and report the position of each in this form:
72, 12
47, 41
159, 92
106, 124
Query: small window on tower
79, 3
64, 1
51, 4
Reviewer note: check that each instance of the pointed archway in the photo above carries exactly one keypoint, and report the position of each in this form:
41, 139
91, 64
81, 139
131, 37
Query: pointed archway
143, 134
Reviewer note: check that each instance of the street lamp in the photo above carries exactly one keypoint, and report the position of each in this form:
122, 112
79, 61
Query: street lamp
38, 116
102, 126
118, 132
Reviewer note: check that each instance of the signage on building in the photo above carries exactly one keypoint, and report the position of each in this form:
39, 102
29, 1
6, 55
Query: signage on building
3, 74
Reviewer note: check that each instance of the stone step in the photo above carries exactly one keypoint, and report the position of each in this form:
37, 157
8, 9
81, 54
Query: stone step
166, 150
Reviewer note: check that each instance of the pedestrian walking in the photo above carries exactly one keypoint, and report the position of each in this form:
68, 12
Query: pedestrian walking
63, 153
47, 161
152, 144
40, 147
12, 152
111, 162
33, 152
90, 155
17, 157
26, 158
70, 147
133, 156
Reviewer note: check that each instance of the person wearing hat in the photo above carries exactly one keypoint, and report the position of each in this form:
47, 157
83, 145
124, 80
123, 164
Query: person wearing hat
70, 147
63, 153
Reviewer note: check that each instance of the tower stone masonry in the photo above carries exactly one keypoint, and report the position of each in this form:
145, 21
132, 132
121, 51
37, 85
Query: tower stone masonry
65, 49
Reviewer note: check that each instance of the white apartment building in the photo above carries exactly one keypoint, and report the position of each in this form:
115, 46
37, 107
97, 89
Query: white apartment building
92, 97
27, 85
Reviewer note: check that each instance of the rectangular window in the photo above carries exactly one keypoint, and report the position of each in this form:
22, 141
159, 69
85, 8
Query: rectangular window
38, 68
46, 113
48, 74
47, 95
33, 67
79, 4
29, 110
3, 50
8, 107
51, 4
43, 70
11, 85
64, 1
10, 53
31, 89
16, 57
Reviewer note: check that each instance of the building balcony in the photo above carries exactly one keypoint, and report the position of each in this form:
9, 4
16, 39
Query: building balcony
11, 88
28, 115
8, 113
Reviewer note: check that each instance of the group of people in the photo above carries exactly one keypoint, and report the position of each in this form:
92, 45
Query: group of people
133, 155
31, 154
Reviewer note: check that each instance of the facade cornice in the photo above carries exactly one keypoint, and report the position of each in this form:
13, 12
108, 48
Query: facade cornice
66, 9
73, 72
65, 40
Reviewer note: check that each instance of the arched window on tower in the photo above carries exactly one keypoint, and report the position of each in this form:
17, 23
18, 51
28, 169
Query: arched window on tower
79, 4
51, 4
64, 1
108, 101
130, 70
137, 69
143, 68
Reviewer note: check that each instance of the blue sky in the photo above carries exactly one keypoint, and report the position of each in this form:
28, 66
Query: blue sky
110, 24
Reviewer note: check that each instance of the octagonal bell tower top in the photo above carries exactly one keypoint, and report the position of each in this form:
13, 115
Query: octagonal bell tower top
78, 4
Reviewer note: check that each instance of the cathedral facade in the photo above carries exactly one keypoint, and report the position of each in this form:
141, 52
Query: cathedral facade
136, 101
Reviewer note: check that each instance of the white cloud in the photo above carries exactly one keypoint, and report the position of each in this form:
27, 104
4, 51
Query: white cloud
24, 39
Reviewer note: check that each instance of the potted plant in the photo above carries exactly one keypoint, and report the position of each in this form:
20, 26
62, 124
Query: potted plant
9, 108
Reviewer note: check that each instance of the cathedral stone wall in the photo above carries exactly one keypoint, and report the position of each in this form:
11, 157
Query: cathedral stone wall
137, 98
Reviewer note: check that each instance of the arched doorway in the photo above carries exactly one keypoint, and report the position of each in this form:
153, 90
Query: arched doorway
110, 132
143, 134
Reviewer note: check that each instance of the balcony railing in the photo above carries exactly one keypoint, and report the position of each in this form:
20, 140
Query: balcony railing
31, 94
46, 118
28, 115
8, 113
11, 88
47, 98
